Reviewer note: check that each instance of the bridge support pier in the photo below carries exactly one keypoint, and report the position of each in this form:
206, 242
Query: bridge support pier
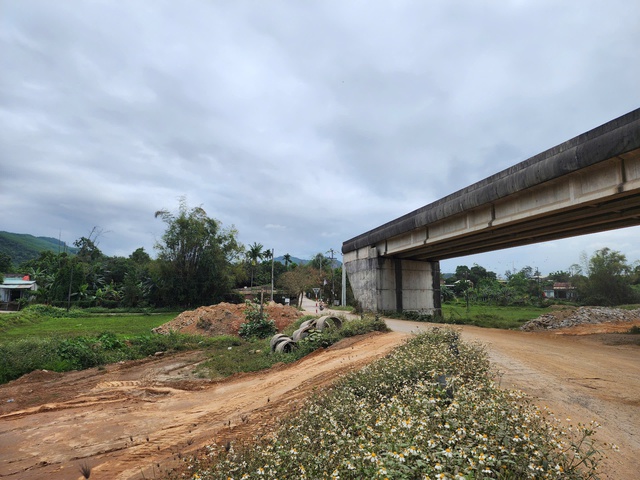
384, 284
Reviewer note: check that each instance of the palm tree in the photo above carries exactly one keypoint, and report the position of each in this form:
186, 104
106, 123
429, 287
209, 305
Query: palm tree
254, 254
287, 260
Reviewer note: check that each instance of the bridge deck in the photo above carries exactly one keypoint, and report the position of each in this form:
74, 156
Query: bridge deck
588, 184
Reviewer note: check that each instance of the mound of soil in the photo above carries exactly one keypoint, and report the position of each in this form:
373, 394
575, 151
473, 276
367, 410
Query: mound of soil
587, 319
225, 319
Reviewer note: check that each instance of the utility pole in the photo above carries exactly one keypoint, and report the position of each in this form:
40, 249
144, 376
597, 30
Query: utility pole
272, 260
344, 284
332, 282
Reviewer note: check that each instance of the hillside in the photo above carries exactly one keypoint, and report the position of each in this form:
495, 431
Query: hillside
22, 247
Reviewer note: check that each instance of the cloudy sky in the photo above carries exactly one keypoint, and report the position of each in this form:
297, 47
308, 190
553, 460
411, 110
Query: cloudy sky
301, 123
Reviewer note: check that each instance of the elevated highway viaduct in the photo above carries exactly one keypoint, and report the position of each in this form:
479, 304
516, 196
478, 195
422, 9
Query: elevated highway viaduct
588, 184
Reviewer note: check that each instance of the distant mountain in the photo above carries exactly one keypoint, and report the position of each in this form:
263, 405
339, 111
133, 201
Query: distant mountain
297, 260
337, 263
22, 247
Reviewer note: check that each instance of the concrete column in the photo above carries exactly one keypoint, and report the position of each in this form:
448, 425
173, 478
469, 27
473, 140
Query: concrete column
384, 284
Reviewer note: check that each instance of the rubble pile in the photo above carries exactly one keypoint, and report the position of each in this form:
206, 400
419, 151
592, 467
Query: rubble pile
225, 319
581, 316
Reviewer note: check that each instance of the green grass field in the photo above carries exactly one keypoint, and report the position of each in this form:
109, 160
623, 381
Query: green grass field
490, 316
12, 327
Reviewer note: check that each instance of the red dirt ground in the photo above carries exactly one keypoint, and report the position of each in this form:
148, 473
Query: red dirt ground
225, 319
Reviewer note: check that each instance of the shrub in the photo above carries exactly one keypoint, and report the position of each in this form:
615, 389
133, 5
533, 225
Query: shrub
48, 311
258, 324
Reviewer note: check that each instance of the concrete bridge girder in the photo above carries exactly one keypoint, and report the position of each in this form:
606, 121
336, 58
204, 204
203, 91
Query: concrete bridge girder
601, 197
588, 184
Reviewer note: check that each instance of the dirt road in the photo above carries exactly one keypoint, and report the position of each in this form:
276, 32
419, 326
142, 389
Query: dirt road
131, 420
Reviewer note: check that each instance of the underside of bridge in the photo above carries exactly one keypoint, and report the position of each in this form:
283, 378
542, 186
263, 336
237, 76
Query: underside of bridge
588, 184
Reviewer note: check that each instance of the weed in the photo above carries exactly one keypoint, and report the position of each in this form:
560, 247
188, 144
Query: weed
85, 470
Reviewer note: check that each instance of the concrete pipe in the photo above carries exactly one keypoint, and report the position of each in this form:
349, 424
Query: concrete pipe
307, 323
275, 339
285, 346
328, 321
301, 333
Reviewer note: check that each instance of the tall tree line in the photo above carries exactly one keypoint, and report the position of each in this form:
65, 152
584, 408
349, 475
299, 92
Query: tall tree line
198, 262
606, 278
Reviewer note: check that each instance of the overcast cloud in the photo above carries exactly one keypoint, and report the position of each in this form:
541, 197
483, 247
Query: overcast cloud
301, 123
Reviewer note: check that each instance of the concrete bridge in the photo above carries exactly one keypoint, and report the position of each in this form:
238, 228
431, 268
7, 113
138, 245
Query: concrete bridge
588, 184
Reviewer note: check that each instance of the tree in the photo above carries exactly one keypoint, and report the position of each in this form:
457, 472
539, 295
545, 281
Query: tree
478, 273
254, 254
287, 260
319, 262
299, 280
140, 257
59, 277
87, 248
608, 280
560, 276
462, 272
195, 257
5, 263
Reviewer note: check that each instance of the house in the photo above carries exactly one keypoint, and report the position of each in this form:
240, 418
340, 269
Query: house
561, 290
14, 288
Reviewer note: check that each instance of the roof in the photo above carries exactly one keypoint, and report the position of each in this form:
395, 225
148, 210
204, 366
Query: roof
13, 283
17, 281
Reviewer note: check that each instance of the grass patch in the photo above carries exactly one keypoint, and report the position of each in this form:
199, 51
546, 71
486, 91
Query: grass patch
255, 354
428, 410
33, 324
61, 354
489, 316
242, 356
342, 308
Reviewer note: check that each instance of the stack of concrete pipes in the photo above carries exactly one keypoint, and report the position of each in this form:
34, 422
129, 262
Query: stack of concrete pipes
284, 344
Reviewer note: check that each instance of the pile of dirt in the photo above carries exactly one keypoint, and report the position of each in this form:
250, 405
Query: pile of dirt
225, 319
568, 318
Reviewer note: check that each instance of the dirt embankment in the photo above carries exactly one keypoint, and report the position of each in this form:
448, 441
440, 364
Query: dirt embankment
225, 319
